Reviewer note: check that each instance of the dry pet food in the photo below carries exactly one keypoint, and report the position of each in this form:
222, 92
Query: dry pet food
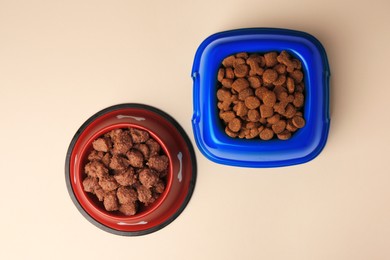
261, 95
126, 169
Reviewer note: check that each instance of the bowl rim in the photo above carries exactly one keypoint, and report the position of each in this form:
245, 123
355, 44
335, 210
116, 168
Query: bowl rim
169, 120
213, 142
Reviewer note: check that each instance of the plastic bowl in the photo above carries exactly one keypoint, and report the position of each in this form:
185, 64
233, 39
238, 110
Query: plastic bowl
209, 133
180, 178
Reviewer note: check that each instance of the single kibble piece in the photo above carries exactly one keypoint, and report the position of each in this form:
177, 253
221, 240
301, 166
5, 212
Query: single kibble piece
235, 125
269, 98
298, 121
273, 119
237, 62
252, 102
126, 177
266, 134
241, 109
245, 93
111, 201
266, 111
230, 132
253, 115
290, 111
279, 126
241, 70
126, 195
280, 80
227, 116
243, 55
240, 84
227, 83
297, 75
228, 61
221, 74
229, 73
299, 99
285, 135
101, 144
290, 85
270, 59
128, 209
269, 76
254, 81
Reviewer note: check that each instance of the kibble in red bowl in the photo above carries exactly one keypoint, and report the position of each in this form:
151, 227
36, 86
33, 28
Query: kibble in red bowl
130, 169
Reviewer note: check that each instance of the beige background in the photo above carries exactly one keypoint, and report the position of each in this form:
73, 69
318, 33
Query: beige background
62, 61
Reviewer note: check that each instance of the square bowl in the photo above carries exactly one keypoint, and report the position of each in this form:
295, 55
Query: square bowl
209, 133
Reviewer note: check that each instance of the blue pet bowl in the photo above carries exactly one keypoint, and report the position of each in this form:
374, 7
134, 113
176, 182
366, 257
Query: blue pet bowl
210, 137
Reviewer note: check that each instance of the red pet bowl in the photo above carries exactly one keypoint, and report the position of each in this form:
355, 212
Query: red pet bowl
180, 180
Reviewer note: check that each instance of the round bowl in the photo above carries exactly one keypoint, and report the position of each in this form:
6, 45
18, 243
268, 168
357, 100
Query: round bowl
180, 180
209, 133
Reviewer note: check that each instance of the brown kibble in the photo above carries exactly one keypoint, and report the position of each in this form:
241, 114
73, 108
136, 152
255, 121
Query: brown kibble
240, 84
282, 96
256, 63
284, 58
280, 68
280, 80
266, 134
225, 105
126, 177
229, 73
221, 74
252, 102
290, 126
269, 98
108, 183
95, 156
290, 111
298, 121
242, 110
280, 107
227, 83
254, 81
138, 135
253, 115
227, 116
284, 135
241, 70
126, 195
230, 132
90, 184
235, 125
261, 95
110, 201
252, 125
297, 64
136, 158
299, 99
245, 93
297, 75
273, 119
95, 169
223, 94
238, 61
128, 209
252, 133
290, 85
243, 55
279, 126
259, 92
270, 59
101, 144
266, 111
269, 76
148, 177
228, 61
158, 163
